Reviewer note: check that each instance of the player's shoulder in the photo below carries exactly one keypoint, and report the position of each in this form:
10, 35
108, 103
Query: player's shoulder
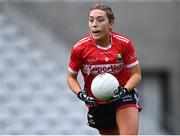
84, 40
119, 37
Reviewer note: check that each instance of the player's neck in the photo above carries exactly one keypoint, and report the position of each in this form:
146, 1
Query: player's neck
104, 42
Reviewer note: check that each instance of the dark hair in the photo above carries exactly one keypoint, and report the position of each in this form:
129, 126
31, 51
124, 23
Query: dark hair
105, 8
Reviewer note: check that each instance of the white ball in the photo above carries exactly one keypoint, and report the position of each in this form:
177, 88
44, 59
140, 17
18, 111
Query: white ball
104, 85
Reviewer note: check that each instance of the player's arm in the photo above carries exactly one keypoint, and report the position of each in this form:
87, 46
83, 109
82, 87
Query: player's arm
132, 63
74, 66
135, 78
76, 88
73, 82
130, 85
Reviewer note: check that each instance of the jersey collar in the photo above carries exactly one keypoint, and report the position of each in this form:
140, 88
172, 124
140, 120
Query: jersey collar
104, 48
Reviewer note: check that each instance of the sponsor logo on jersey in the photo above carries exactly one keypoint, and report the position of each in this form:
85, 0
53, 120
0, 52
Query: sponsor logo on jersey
90, 60
95, 69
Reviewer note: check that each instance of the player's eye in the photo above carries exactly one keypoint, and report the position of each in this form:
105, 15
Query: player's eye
100, 19
91, 20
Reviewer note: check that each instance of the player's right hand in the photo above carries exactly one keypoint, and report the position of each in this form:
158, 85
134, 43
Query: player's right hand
82, 95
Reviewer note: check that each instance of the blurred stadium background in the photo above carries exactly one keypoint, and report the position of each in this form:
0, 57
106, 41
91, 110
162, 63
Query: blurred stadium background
35, 41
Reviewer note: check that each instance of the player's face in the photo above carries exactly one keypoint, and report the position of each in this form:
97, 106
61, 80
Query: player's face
99, 25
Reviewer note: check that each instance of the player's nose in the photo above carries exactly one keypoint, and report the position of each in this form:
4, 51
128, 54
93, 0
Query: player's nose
94, 23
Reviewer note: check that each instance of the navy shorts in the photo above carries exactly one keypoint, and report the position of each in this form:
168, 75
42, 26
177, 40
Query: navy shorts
103, 116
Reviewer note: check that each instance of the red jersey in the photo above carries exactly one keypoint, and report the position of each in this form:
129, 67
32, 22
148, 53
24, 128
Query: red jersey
92, 59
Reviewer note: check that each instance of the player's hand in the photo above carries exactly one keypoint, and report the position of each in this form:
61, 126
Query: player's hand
82, 95
118, 93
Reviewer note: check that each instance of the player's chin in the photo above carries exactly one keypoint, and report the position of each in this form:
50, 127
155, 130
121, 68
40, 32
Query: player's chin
96, 37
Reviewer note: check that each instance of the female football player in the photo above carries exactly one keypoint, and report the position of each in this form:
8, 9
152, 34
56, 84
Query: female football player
103, 50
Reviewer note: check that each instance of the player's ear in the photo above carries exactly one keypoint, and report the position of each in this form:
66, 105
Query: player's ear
110, 26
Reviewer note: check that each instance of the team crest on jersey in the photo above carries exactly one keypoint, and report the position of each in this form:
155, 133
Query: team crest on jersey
106, 59
119, 57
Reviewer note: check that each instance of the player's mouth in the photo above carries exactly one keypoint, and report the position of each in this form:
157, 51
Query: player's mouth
96, 32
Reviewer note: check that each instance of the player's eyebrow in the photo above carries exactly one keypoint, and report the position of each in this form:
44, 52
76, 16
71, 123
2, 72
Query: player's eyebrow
96, 17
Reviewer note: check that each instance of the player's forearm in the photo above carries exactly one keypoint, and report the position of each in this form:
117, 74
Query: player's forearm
134, 80
73, 84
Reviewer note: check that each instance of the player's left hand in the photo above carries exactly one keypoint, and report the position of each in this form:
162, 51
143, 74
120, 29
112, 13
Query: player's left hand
118, 93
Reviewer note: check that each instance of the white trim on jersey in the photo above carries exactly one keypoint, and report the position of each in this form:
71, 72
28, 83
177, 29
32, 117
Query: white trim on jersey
104, 48
121, 38
82, 41
72, 71
133, 64
116, 35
